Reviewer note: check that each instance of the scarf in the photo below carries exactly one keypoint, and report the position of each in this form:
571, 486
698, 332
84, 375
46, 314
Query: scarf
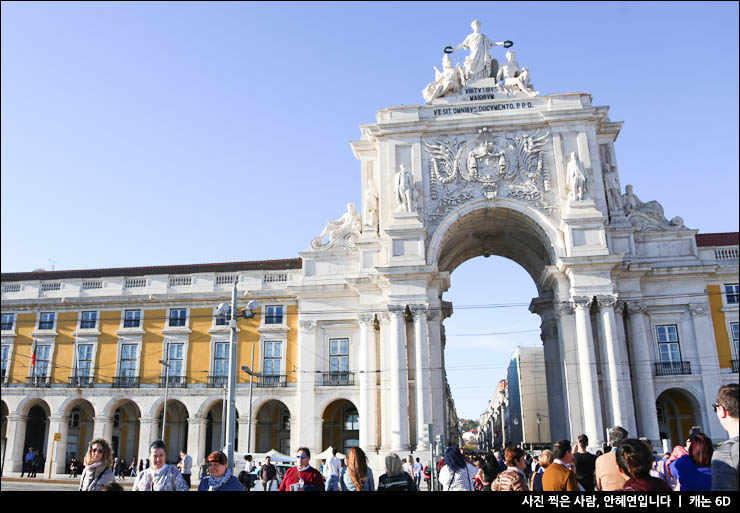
215, 483
92, 473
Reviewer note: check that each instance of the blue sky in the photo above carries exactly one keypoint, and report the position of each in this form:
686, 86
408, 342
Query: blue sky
155, 133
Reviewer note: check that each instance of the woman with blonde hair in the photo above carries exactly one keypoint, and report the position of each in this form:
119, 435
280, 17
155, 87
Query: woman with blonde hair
98, 467
545, 460
395, 479
356, 476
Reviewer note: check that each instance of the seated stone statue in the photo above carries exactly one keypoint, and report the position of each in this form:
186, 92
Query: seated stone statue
647, 216
449, 80
349, 224
514, 78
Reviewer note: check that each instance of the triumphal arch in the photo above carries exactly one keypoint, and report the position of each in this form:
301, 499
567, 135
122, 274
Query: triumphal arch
488, 166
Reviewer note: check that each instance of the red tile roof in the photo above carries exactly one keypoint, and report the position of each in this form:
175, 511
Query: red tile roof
261, 265
717, 239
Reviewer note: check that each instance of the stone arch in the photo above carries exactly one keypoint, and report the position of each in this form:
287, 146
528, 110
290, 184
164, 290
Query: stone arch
340, 425
273, 426
4, 412
81, 425
212, 411
29, 402
126, 429
176, 425
505, 227
678, 410
114, 403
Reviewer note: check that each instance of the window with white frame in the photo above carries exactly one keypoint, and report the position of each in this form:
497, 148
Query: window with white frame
668, 344
175, 359
128, 361
42, 361
89, 320
339, 355
272, 360
735, 329
132, 319
74, 418
221, 359
274, 314
8, 319
351, 420
732, 293
285, 420
178, 316
84, 360
5, 360
46, 321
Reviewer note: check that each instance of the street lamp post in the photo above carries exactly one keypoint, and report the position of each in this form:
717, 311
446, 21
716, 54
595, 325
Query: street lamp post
251, 375
166, 363
539, 421
231, 401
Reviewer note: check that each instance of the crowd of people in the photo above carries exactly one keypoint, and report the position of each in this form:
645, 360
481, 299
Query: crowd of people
628, 464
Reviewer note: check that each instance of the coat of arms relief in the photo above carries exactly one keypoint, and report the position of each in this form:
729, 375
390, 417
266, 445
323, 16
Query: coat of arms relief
490, 165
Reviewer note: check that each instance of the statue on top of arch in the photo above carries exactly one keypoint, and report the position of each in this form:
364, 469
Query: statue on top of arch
479, 66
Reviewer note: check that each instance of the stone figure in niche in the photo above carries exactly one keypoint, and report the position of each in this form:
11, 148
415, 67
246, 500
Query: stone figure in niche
576, 178
478, 63
647, 216
513, 78
371, 204
349, 224
611, 182
447, 81
405, 190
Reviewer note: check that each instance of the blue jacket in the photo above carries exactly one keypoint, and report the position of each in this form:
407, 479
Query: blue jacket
232, 485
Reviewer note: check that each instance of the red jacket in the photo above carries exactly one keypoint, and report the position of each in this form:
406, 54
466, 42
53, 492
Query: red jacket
312, 479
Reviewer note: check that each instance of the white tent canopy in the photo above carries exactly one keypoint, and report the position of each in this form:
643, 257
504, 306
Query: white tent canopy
279, 457
328, 454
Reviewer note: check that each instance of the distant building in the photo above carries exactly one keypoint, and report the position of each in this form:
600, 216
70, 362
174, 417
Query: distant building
528, 419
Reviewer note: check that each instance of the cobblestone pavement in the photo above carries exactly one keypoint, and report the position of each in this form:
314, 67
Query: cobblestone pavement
32, 485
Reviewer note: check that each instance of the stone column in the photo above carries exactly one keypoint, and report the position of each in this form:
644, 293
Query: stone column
624, 372
16, 435
318, 441
147, 434
368, 400
556, 391
253, 434
305, 430
642, 373
423, 377
435, 365
242, 426
57, 424
103, 427
385, 393
398, 388
592, 419
609, 325
569, 369
197, 441
708, 362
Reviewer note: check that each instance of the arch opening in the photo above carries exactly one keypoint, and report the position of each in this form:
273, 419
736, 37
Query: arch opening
340, 427
273, 427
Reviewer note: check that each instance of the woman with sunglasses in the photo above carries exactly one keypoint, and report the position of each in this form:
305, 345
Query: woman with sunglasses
98, 467
160, 477
220, 479
302, 477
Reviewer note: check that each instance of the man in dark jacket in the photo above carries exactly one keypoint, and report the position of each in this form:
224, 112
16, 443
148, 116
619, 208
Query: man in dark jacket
268, 473
585, 464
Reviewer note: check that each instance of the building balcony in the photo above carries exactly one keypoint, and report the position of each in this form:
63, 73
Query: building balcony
39, 381
81, 382
734, 366
173, 382
672, 368
125, 382
217, 381
337, 379
273, 381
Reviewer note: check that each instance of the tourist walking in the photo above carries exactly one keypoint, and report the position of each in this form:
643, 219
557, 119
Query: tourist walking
302, 477
544, 460
267, 474
98, 471
635, 460
356, 476
220, 478
160, 477
608, 476
35, 463
457, 474
187, 466
73, 468
204, 469
513, 478
694, 470
585, 464
725, 458
395, 479
27, 462
418, 470
132, 468
558, 477
408, 466
331, 472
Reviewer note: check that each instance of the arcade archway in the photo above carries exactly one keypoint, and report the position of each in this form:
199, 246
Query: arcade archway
176, 428
677, 412
340, 426
273, 427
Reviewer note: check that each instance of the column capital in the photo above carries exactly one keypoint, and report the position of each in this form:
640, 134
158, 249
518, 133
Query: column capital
17, 418
366, 319
434, 314
607, 301
564, 308
148, 420
582, 302
397, 310
635, 307
307, 325
620, 307
419, 311
101, 418
384, 317
59, 418
196, 421
699, 308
